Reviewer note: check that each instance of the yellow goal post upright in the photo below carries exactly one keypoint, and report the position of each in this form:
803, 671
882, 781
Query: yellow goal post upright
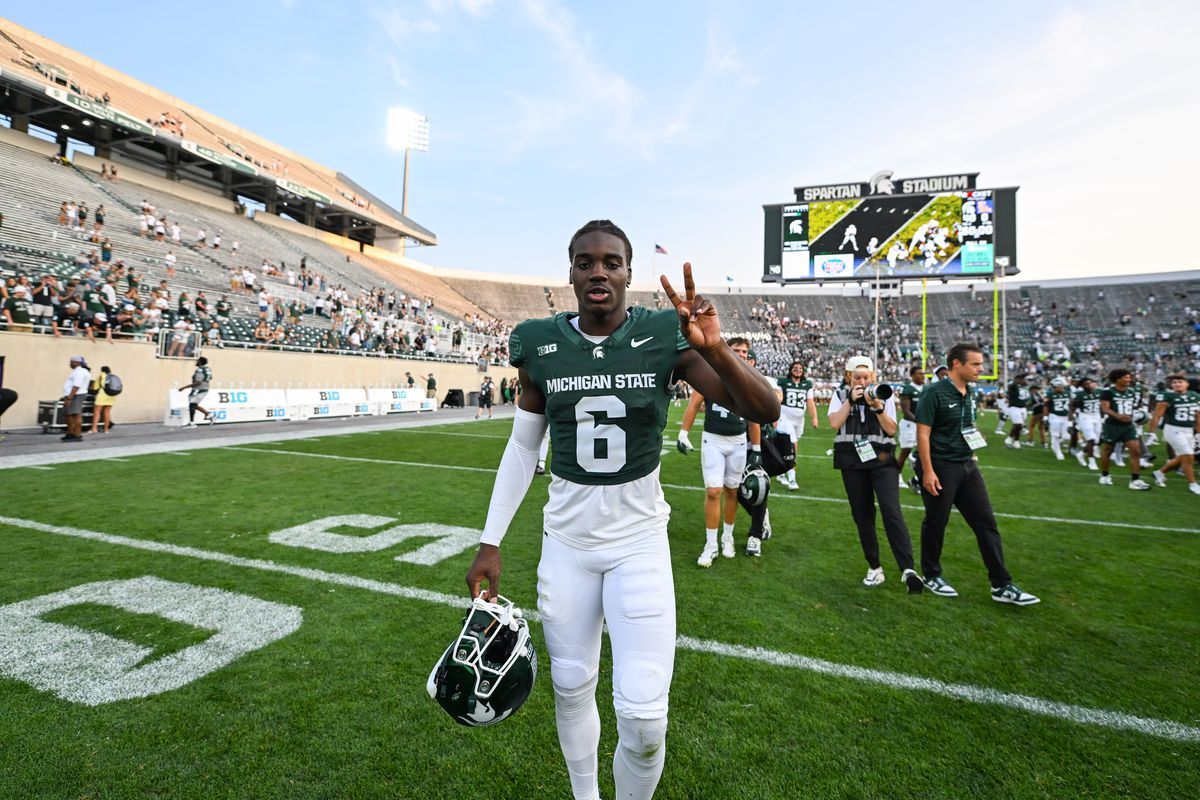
999, 329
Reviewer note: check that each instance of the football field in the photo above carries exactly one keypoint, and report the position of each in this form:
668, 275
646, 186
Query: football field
259, 621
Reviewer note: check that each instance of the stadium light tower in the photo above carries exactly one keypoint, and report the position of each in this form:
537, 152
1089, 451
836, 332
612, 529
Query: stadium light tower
407, 130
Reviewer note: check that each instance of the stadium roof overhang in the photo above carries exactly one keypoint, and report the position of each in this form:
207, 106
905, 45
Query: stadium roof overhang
23, 98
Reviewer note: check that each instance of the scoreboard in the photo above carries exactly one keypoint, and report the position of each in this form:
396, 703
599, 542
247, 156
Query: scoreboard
850, 231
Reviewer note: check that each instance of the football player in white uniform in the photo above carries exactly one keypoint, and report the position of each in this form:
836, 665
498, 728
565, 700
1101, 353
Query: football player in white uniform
851, 236
601, 379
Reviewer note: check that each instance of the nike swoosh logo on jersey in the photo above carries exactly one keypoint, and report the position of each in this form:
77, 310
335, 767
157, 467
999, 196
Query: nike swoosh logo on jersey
640, 342
952, 405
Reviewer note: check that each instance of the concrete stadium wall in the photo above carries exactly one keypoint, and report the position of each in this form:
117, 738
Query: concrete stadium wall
36, 366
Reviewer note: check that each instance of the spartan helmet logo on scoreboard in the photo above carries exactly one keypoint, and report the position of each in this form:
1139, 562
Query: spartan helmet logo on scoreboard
881, 182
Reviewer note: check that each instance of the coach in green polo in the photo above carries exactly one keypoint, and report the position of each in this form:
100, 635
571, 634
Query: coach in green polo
950, 478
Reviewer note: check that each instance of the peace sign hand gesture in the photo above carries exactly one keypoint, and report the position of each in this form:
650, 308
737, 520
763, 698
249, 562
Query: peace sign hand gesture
697, 317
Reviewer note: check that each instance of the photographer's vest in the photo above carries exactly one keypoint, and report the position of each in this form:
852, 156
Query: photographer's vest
862, 424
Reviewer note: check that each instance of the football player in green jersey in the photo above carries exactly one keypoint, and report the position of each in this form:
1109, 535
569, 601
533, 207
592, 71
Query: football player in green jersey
910, 392
723, 458
1118, 402
1087, 419
1179, 410
797, 391
1058, 414
1018, 407
601, 379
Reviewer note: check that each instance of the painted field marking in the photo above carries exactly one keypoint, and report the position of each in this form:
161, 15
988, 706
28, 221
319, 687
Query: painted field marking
1030, 517
44, 469
118, 460
1164, 729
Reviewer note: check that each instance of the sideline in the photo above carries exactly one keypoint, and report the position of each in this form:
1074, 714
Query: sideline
1115, 720
181, 439
1139, 526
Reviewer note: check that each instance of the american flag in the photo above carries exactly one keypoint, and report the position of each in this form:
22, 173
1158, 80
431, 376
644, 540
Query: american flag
658, 248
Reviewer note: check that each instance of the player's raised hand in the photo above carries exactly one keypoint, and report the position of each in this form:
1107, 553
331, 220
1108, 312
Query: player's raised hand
697, 317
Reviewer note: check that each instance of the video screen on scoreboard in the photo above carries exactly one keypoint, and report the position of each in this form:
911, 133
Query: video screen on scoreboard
916, 235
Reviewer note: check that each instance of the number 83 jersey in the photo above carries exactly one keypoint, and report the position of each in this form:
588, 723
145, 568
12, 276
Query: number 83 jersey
606, 405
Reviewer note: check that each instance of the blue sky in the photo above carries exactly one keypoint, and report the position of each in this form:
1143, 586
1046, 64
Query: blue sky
680, 120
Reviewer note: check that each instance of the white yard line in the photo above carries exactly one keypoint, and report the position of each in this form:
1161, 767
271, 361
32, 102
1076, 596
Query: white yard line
1164, 729
778, 494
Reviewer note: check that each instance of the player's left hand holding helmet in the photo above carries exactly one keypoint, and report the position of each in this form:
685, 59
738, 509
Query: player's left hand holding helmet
488, 671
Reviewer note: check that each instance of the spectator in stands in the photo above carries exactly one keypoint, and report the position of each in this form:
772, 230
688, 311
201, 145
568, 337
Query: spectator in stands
201, 305
264, 302
62, 213
18, 310
217, 242
170, 260
262, 333
224, 308
103, 171
99, 323
45, 295
70, 321
176, 234
74, 390
100, 216
201, 239
103, 403
213, 336
181, 344
112, 171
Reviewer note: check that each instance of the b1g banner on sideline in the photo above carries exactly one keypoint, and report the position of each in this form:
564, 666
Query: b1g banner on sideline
256, 405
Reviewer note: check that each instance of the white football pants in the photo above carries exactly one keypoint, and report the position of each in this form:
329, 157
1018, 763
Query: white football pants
631, 589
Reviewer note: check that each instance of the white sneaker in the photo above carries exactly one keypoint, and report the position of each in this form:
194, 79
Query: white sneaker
874, 577
1092, 465
1120, 462
1139, 485
1008, 442
1016, 445
782, 479
903, 483
1194, 488
727, 546
1106, 480
754, 546
792, 486
706, 558
1081, 458
1058, 455
1159, 479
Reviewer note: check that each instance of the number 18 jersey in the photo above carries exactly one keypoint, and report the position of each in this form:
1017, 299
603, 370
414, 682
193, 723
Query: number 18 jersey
606, 405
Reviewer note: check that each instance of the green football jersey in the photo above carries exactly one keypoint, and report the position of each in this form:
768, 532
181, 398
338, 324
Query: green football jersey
1121, 402
721, 421
1018, 395
795, 393
1088, 402
1181, 408
1059, 403
606, 403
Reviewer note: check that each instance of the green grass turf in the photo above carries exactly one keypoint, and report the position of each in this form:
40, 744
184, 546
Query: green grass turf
337, 709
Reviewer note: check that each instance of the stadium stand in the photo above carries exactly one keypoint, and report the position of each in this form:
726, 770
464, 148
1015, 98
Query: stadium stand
50, 63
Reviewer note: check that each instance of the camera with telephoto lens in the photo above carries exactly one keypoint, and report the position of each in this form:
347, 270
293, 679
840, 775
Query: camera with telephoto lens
879, 391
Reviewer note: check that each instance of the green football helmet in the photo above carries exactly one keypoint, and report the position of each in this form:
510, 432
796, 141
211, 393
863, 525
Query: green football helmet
755, 487
488, 671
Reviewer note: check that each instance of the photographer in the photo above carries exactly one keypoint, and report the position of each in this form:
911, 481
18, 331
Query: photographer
864, 415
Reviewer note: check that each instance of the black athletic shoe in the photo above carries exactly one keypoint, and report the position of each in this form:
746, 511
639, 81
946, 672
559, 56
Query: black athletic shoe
913, 581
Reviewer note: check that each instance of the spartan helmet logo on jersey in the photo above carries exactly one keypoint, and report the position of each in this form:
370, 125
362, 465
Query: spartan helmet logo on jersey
881, 182
485, 675
755, 487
